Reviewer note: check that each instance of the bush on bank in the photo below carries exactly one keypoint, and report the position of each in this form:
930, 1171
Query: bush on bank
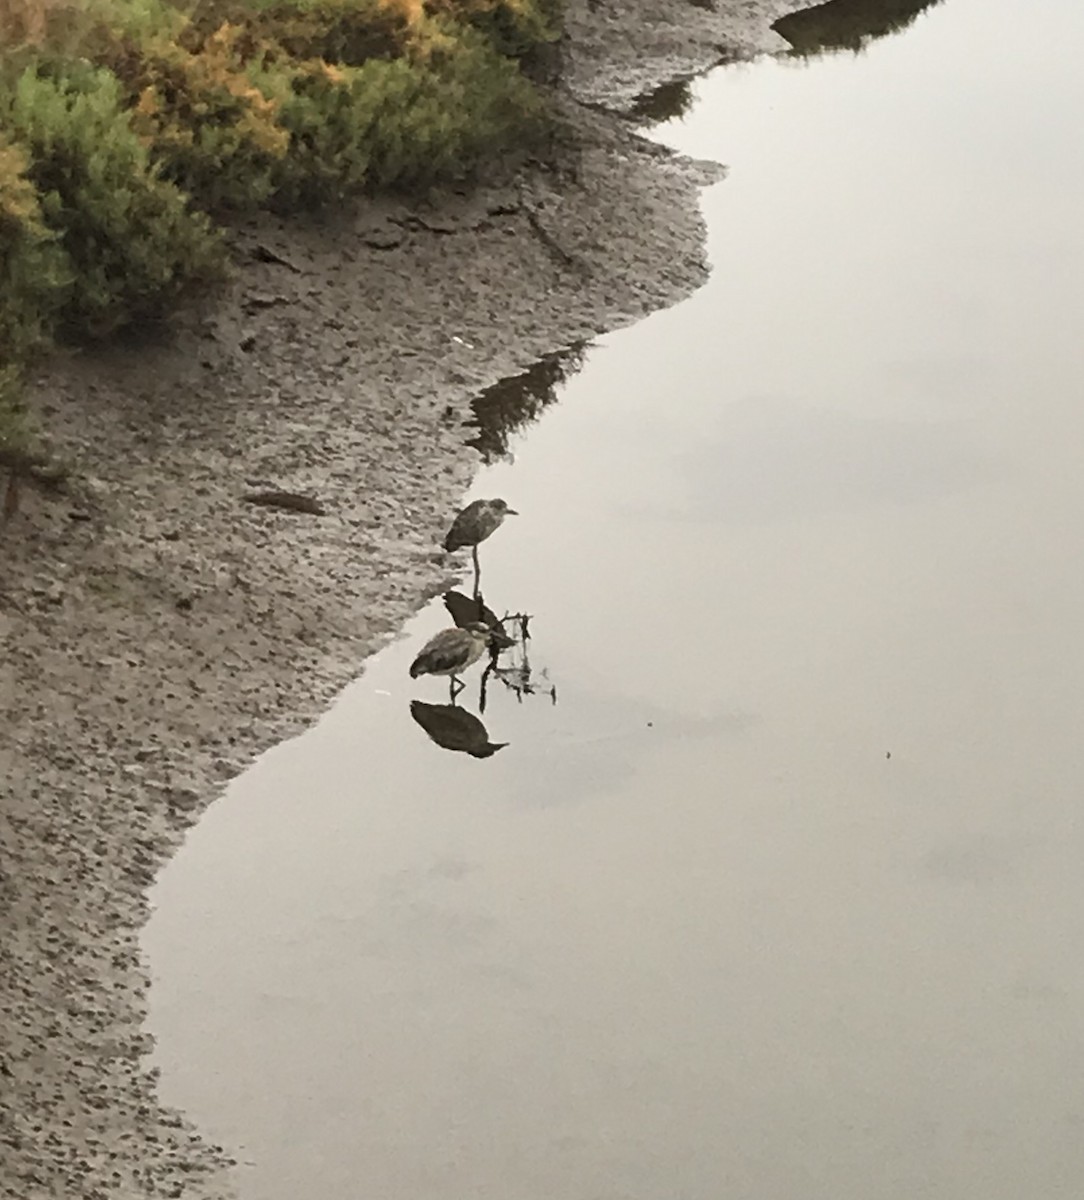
130, 128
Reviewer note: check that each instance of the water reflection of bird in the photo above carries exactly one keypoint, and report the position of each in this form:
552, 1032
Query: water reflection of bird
463, 610
454, 728
452, 651
474, 524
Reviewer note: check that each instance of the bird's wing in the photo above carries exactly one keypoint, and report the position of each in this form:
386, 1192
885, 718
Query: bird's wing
445, 652
460, 534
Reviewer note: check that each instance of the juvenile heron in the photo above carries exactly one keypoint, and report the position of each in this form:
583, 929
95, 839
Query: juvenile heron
474, 524
452, 651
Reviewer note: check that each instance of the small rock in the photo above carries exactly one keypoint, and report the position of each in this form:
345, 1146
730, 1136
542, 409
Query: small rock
52, 594
382, 239
262, 300
183, 797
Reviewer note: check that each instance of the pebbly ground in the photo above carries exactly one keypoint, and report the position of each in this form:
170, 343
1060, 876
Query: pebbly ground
157, 632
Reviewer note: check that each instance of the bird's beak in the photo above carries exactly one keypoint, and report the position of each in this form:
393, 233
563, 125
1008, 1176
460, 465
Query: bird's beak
510, 512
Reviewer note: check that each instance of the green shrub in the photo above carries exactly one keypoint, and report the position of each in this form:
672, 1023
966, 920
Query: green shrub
34, 274
342, 32
469, 104
519, 29
124, 123
131, 237
13, 431
212, 130
403, 122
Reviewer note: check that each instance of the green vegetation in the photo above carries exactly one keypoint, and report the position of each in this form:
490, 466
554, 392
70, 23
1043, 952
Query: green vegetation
131, 129
13, 431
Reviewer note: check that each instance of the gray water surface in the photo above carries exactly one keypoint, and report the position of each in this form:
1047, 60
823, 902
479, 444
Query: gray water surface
783, 899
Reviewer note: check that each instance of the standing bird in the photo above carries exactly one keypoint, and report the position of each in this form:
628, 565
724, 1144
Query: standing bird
452, 651
473, 525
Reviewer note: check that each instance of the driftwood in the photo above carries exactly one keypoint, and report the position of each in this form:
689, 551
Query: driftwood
287, 501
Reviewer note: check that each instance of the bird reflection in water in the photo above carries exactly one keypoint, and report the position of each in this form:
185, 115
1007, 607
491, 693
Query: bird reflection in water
470, 610
454, 728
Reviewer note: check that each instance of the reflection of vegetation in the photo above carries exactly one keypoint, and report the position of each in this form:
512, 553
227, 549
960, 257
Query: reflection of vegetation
664, 103
516, 401
847, 24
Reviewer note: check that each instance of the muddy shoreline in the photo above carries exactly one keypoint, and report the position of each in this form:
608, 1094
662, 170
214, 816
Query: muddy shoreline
158, 632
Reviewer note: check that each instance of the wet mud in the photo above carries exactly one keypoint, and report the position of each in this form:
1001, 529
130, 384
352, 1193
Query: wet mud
160, 627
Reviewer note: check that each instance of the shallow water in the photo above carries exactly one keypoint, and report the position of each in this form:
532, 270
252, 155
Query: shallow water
782, 898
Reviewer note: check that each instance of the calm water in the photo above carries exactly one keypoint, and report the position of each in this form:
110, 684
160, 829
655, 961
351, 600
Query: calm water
783, 899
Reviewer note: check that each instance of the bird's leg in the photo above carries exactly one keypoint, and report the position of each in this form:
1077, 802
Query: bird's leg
482, 691
455, 687
477, 573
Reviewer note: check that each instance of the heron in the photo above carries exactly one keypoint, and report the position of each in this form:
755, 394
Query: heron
452, 651
474, 524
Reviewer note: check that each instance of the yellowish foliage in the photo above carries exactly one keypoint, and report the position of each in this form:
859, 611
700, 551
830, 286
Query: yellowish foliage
411, 12
147, 105
18, 199
330, 72
140, 118
171, 79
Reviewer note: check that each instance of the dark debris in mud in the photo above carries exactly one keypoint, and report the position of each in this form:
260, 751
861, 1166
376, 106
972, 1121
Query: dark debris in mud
292, 502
